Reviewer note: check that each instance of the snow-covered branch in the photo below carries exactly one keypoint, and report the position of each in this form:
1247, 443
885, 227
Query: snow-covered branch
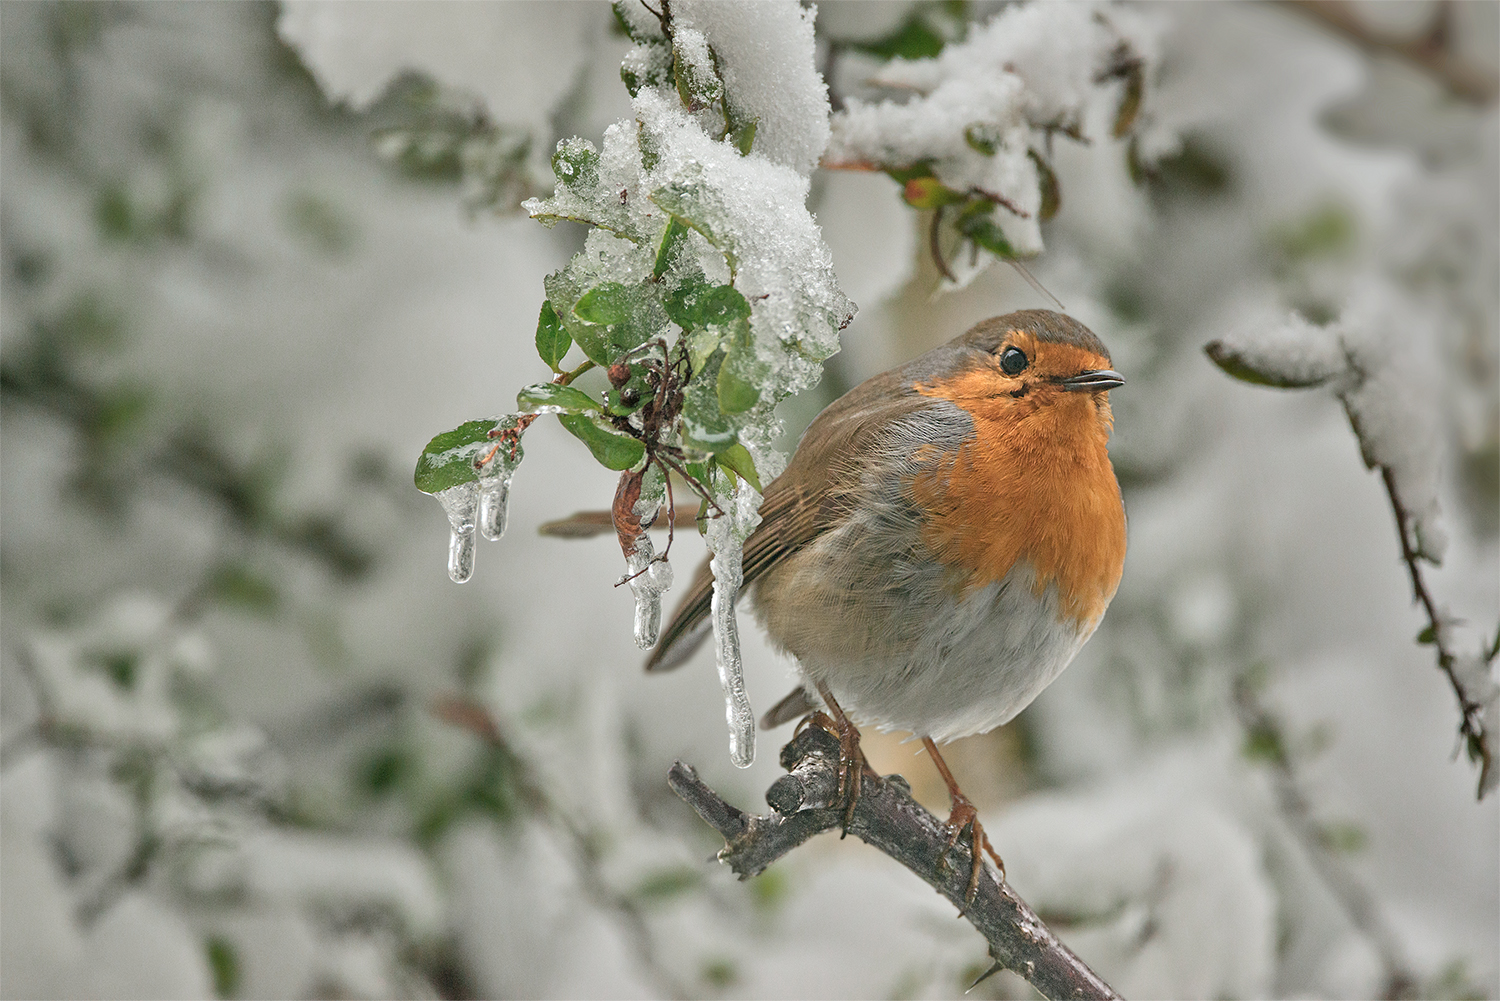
886, 817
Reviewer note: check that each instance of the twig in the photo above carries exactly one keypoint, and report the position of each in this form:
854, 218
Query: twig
1431, 52
1471, 727
1358, 906
886, 817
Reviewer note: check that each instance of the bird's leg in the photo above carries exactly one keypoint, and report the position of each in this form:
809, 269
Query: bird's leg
963, 815
852, 762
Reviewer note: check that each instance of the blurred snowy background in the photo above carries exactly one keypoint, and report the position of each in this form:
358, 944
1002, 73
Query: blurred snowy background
256, 744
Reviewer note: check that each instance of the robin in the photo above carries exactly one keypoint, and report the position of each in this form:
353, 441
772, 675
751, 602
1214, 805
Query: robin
946, 538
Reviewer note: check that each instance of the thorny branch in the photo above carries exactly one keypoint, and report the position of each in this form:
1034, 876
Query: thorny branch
1431, 52
1471, 727
805, 802
1341, 882
583, 842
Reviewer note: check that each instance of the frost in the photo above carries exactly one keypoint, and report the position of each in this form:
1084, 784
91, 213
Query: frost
461, 503
493, 498
976, 113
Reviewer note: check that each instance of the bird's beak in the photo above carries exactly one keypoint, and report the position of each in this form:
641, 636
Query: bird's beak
1094, 379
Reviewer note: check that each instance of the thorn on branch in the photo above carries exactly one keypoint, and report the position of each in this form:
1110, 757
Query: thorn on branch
886, 817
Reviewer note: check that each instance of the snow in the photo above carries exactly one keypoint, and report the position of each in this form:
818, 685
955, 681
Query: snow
765, 50
1032, 67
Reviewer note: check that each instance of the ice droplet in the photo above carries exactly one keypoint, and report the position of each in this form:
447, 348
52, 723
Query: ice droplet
726, 537
494, 496
460, 503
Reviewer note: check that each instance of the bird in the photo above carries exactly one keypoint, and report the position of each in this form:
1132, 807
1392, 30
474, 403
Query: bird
946, 537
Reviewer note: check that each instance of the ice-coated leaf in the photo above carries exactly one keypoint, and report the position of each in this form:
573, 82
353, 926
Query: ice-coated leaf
1249, 363
608, 302
550, 398
670, 247
737, 457
695, 307
576, 164
448, 460
611, 449
736, 392
616, 317
552, 338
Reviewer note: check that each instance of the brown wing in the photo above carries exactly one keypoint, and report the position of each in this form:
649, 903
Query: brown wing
800, 504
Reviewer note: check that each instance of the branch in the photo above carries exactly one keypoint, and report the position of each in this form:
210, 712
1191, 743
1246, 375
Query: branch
1472, 725
1430, 52
886, 817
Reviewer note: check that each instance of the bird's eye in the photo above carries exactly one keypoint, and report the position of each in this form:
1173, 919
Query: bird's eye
1013, 361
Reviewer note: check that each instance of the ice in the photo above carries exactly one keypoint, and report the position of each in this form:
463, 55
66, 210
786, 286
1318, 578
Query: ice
493, 498
461, 503
726, 539
647, 594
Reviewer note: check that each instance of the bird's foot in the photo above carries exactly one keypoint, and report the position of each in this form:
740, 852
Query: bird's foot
852, 761
962, 815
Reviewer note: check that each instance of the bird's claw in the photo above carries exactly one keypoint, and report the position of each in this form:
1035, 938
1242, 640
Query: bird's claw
852, 762
964, 814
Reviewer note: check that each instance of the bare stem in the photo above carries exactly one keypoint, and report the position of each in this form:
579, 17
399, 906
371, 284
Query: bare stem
1471, 727
806, 804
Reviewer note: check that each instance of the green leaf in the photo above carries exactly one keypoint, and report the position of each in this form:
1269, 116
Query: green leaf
694, 307
576, 164
552, 338
448, 460
1047, 181
1234, 363
698, 83
983, 137
914, 39
742, 133
737, 457
611, 449
224, 964
983, 230
929, 193
736, 393
922, 168
701, 344
612, 318
1263, 743
550, 398
1428, 636
670, 247
607, 302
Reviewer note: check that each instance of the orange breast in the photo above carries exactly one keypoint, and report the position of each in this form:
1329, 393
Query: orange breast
1034, 484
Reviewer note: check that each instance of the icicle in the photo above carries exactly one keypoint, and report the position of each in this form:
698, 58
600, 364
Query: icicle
460, 503
726, 537
649, 576
647, 592
493, 497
